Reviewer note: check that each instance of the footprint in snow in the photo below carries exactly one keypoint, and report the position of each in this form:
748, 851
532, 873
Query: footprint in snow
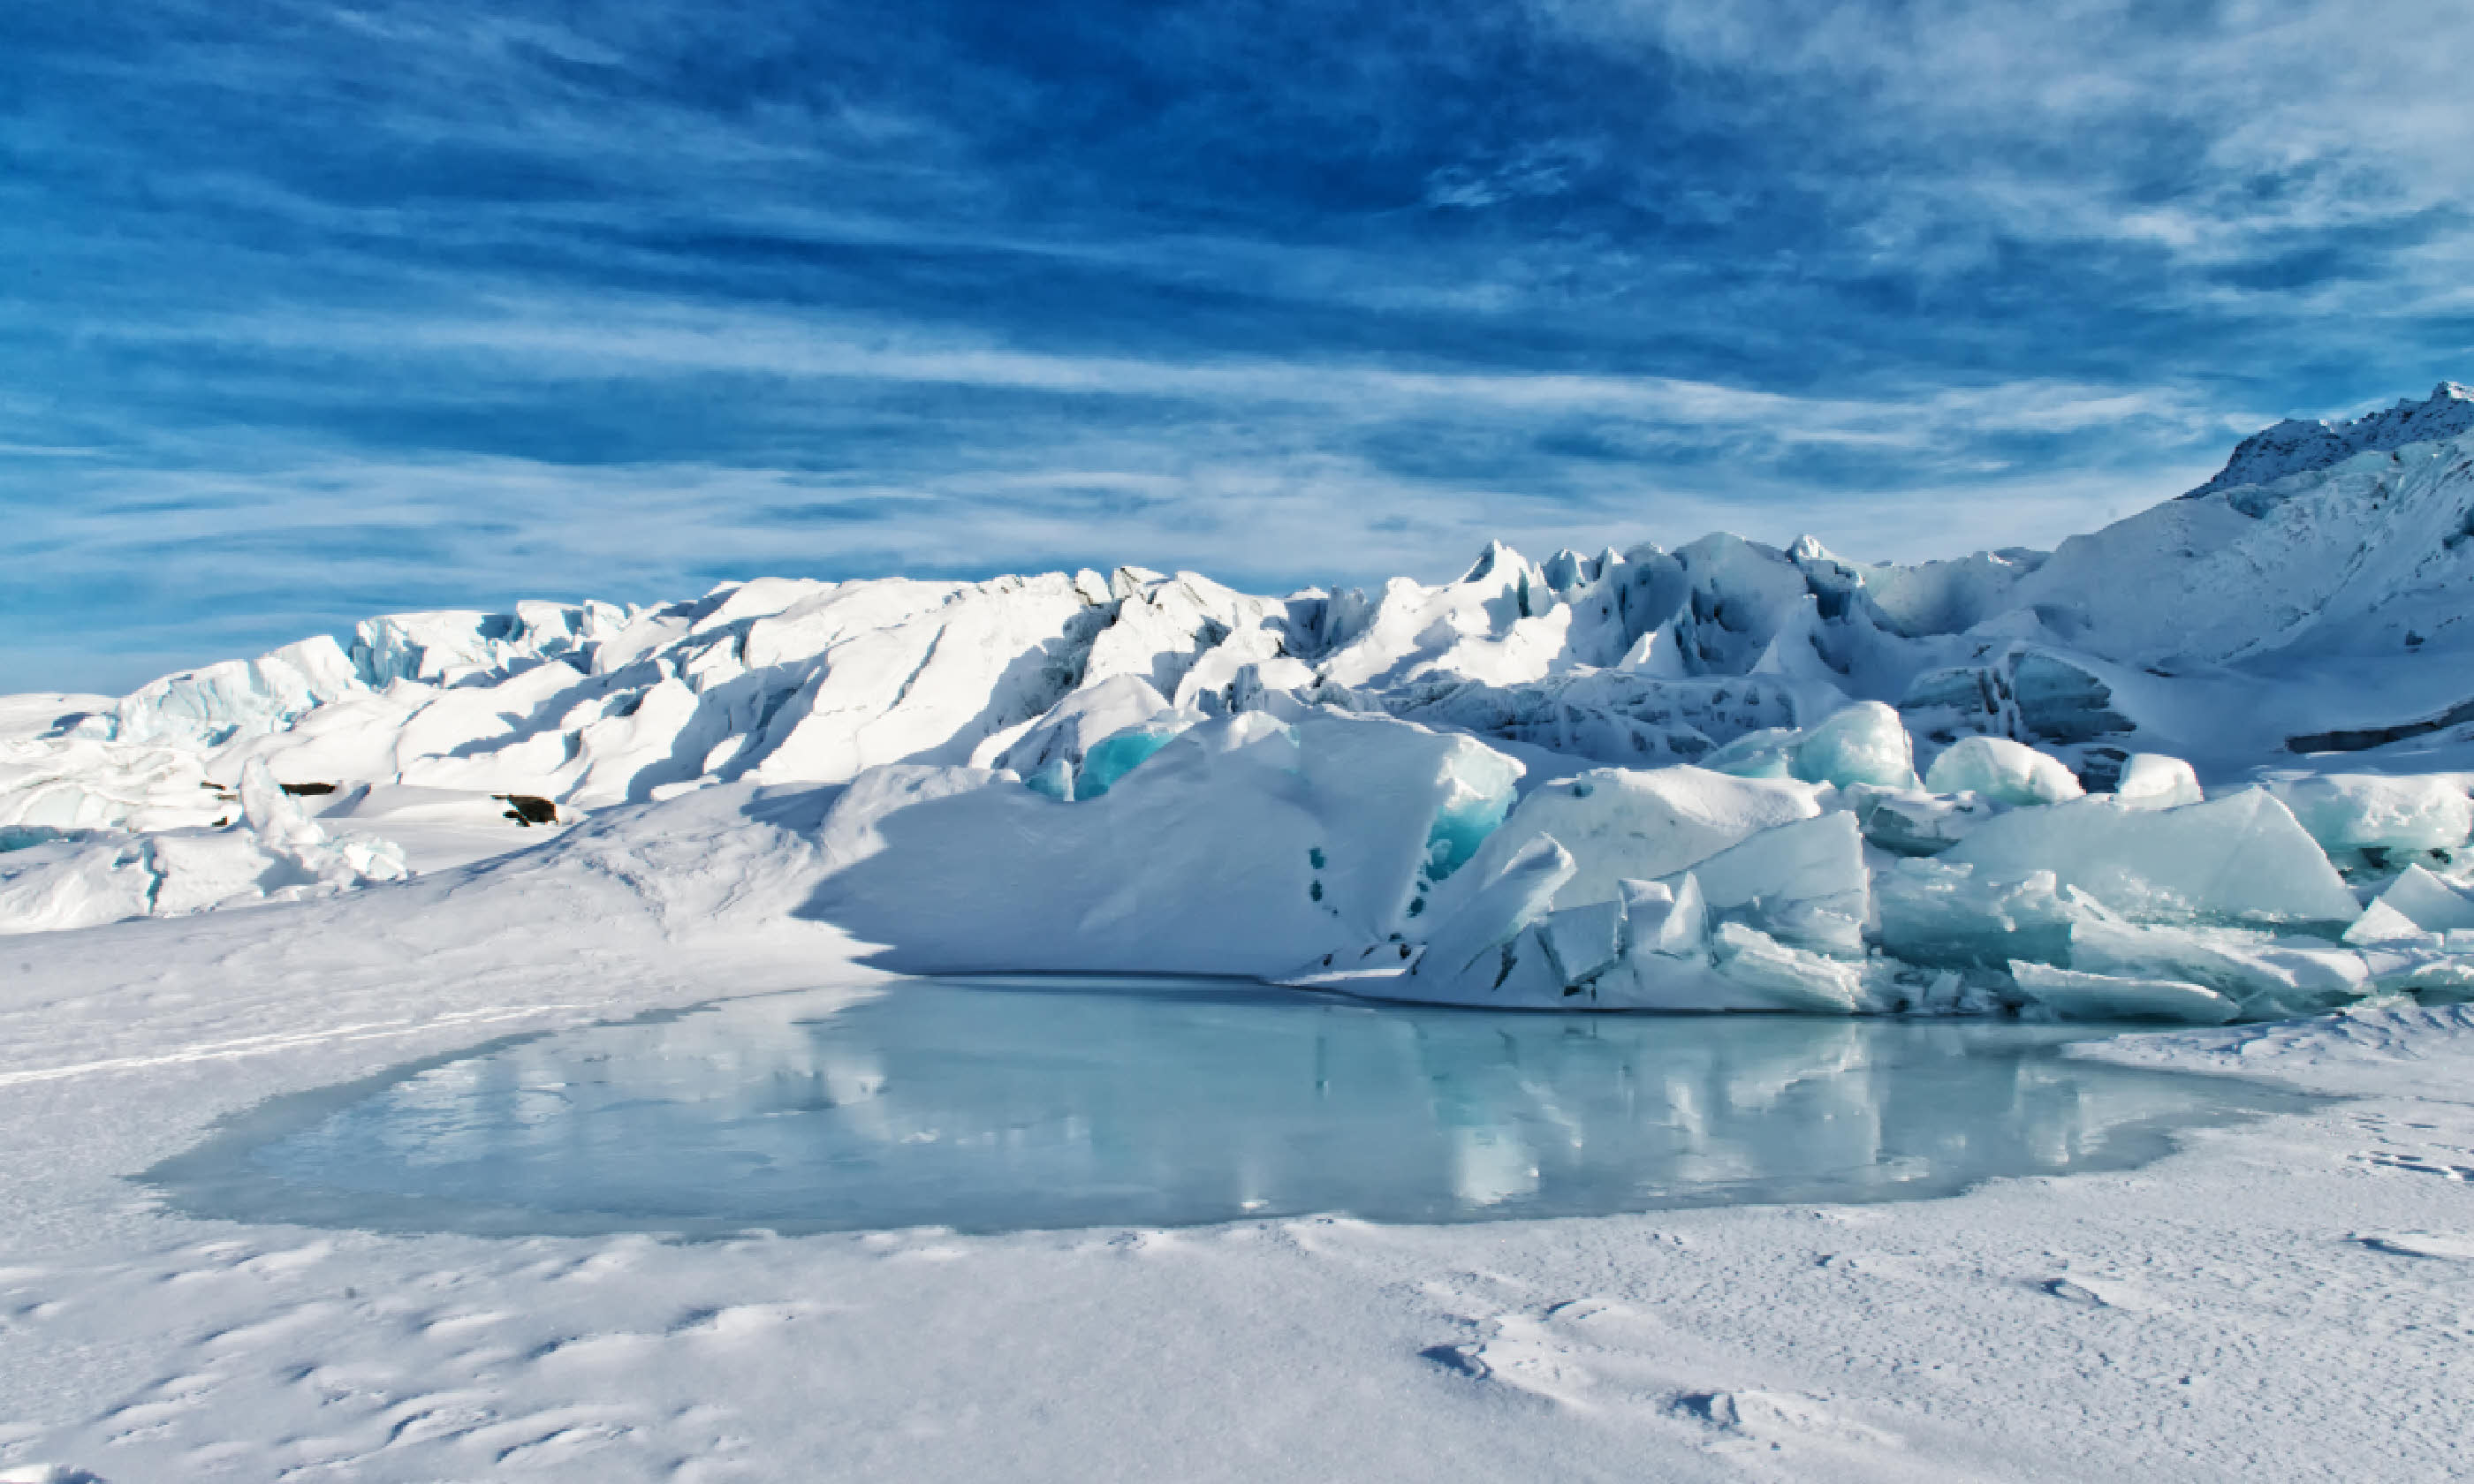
2102, 1292
2416, 1163
1773, 1419
2419, 1244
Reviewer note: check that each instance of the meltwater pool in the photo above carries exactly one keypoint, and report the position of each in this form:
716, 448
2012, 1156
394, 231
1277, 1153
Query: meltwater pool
1005, 1105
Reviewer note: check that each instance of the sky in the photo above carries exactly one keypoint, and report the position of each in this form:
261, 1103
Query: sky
309, 312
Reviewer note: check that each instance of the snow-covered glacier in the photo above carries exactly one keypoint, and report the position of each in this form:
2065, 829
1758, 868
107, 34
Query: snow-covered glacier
2209, 762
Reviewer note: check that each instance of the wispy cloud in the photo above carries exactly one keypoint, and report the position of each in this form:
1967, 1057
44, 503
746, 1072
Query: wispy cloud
314, 311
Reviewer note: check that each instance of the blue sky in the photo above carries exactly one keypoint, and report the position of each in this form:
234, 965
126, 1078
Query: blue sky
310, 312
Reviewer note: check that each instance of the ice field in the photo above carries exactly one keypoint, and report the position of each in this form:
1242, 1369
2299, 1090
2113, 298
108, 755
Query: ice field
2078, 870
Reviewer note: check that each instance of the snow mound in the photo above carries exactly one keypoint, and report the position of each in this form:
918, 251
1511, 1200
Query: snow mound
2003, 770
55, 879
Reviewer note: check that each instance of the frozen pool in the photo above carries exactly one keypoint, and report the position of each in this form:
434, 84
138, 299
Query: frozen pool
994, 1106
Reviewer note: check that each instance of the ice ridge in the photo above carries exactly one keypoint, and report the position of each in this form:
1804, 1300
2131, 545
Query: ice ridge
2295, 446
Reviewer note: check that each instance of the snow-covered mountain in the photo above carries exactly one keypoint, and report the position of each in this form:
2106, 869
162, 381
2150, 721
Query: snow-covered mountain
2309, 602
2294, 446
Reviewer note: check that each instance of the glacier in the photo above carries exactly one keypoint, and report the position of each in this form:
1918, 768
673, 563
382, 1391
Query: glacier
2210, 762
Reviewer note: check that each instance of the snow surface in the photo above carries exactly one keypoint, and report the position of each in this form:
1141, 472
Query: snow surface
2279, 1301
2209, 764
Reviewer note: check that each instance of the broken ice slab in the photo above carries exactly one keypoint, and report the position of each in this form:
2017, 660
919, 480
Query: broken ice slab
2416, 903
1584, 940
2353, 811
1938, 915
1671, 920
2239, 858
2267, 976
1465, 962
1766, 753
2071, 994
1803, 883
1910, 822
1620, 824
1780, 976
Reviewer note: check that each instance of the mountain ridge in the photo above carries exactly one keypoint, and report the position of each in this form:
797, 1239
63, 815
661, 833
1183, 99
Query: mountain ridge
2296, 446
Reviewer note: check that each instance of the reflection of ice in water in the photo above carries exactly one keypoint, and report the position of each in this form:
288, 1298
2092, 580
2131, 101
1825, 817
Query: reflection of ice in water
1490, 1167
984, 1108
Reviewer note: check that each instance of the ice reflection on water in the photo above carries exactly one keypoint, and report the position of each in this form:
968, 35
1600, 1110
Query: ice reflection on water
989, 1108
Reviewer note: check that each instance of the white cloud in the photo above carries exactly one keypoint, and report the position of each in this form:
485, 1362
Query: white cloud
611, 336
2063, 121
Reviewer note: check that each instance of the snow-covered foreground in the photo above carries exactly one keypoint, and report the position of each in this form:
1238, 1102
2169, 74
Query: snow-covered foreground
2283, 1300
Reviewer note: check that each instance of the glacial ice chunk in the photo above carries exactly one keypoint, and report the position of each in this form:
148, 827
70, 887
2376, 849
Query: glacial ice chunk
1070, 731
75, 880
2003, 770
1479, 787
213, 705
2069, 994
1119, 754
1671, 921
2152, 781
2265, 976
1249, 845
2357, 811
2432, 975
1673, 962
1910, 822
275, 850
1865, 743
1620, 824
2238, 858
1055, 778
1584, 940
2382, 923
1803, 883
1521, 893
1767, 754
1940, 915
2416, 902
1780, 976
